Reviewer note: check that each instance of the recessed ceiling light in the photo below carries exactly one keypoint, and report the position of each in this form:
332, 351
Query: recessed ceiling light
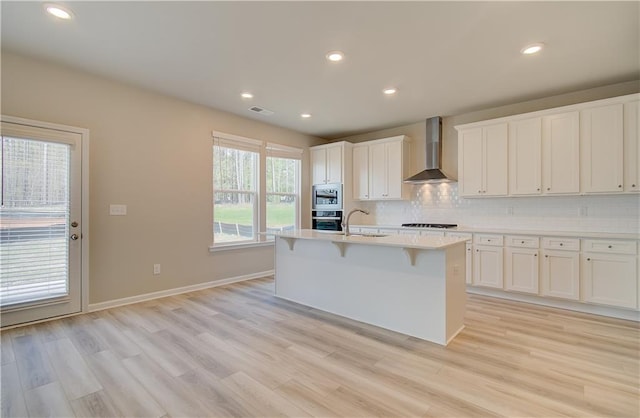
389, 91
58, 11
532, 49
335, 56
305, 115
247, 95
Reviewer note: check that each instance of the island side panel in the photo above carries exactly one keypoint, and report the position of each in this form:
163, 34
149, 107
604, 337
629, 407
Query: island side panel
373, 284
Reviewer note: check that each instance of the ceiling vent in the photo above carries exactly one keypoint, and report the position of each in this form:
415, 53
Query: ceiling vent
261, 110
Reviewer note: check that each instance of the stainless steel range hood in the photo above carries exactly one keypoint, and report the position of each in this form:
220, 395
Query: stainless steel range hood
433, 171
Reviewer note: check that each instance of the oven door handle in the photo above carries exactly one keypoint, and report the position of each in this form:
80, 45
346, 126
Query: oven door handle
327, 218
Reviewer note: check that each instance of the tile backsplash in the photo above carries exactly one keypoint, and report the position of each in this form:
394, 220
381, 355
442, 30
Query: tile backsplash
440, 203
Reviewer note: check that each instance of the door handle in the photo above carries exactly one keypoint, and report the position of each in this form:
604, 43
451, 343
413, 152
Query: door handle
74, 237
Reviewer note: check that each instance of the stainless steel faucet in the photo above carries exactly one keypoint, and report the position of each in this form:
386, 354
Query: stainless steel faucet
345, 224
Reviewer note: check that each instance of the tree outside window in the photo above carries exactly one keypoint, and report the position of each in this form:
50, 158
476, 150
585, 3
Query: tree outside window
235, 200
282, 193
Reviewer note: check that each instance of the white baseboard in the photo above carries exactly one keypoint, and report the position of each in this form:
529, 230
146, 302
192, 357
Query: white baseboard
176, 291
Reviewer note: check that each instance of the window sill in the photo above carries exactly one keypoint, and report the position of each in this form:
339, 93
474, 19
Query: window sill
239, 246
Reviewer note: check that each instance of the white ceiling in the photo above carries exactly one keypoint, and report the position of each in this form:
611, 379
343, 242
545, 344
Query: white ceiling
445, 58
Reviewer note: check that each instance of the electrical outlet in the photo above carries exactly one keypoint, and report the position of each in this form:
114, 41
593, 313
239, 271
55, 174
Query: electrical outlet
156, 269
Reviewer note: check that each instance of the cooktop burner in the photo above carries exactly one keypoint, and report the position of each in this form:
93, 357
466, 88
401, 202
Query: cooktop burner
430, 225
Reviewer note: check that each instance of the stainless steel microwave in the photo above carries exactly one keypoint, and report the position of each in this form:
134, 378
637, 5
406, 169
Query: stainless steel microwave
326, 196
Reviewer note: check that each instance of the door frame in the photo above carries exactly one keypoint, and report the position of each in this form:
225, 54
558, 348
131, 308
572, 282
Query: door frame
84, 201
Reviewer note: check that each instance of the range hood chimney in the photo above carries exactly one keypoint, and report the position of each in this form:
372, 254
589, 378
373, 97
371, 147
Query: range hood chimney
432, 172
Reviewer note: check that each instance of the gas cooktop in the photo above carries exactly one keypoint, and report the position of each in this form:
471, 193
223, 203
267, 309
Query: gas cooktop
417, 225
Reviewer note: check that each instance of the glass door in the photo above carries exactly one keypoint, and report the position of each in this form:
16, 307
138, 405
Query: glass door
40, 223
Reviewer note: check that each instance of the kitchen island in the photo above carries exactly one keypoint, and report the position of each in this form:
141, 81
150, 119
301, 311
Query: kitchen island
414, 285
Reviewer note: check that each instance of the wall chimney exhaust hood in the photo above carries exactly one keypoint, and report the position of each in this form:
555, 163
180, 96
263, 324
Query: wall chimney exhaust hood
433, 171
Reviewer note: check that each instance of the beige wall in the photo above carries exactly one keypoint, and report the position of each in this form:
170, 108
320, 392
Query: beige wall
152, 153
416, 131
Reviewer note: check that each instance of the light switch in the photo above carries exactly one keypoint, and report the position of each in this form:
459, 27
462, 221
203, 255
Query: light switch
117, 210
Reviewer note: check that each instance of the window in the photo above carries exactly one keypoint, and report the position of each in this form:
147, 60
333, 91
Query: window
283, 188
240, 207
235, 191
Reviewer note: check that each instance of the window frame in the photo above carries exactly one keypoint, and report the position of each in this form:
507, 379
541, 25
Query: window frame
291, 153
263, 149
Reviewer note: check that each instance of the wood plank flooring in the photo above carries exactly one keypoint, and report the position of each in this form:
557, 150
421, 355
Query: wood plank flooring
239, 351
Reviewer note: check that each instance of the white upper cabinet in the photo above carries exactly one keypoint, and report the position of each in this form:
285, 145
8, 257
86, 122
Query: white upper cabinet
585, 148
361, 172
525, 157
544, 155
601, 146
560, 153
631, 146
379, 168
327, 163
482, 161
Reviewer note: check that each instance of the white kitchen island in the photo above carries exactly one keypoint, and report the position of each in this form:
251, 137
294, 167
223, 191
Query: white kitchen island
410, 284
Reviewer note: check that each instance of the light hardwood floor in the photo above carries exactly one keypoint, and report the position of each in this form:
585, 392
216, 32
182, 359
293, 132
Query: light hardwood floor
239, 351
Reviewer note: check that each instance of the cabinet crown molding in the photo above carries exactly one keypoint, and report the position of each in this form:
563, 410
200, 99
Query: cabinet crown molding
545, 112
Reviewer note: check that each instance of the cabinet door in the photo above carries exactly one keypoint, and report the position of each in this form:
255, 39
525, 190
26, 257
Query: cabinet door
361, 172
495, 160
610, 279
318, 166
601, 154
394, 169
521, 270
632, 146
525, 157
334, 164
560, 154
377, 171
487, 266
560, 276
469, 262
470, 162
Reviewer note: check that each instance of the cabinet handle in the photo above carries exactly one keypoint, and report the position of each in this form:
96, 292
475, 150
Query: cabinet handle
477, 251
548, 188
546, 256
538, 189
479, 191
561, 244
588, 259
619, 186
521, 242
535, 255
633, 185
610, 246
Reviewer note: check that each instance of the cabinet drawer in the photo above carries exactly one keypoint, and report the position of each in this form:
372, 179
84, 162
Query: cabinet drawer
523, 241
609, 246
460, 235
553, 243
486, 239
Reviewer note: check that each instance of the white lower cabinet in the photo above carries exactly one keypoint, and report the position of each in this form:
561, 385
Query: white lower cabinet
521, 269
487, 260
610, 279
468, 253
469, 263
560, 276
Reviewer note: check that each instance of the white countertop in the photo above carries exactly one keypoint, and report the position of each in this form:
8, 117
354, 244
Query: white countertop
570, 234
392, 240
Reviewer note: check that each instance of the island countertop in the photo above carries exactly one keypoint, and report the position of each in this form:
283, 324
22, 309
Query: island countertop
392, 240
